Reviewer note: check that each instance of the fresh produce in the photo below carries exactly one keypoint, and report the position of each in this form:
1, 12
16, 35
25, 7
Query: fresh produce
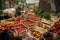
30, 17
49, 36
20, 29
7, 22
34, 18
24, 23
46, 16
43, 15
23, 17
44, 26
56, 28
36, 34
16, 22
27, 22
26, 17
6, 25
37, 11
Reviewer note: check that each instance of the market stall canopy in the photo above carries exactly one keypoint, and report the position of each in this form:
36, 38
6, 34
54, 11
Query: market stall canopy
32, 1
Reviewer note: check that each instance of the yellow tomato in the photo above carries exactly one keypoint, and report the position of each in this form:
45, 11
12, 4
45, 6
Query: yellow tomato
44, 26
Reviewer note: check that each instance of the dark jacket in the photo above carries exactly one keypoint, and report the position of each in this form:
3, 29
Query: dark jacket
18, 11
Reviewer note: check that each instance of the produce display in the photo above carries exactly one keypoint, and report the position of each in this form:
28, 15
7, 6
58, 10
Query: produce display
56, 28
21, 17
46, 15
48, 22
28, 23
7, 22
40, 29
36, 34
44, 26
34, 18
49, 36
19, 28
26, 37
6, 25
33, 26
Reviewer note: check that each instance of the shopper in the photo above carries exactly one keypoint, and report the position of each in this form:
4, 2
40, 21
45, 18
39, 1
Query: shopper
25, 6
8, 35
19, 9
4, 36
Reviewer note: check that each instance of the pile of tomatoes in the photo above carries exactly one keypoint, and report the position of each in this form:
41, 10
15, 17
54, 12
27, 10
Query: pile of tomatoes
56, 28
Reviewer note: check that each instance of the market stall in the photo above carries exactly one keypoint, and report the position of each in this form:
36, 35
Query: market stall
31, 24
33, 27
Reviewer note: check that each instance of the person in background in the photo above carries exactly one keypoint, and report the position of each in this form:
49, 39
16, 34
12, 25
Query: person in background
7, 4
19, 9
25, 6
8, 35
10, 12
3, 13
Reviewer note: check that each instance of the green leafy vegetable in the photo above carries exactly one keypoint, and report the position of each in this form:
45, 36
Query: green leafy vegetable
46, 15
25, 17
59, 38
42, 15
37, 11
